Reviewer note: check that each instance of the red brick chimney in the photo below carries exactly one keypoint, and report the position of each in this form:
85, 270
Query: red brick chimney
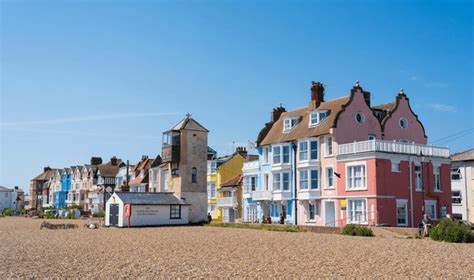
276, 113
317, 94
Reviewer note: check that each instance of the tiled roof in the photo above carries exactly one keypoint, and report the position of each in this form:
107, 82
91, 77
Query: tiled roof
235, 181
387, 107
302, 129
107, 170
136, 181
189, 122
464, 156
141, 198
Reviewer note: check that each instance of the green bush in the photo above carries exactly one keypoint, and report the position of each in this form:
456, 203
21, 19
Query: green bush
450, 231
357, 230
7, 212
74, 207
101, 214
70, 214
49, 215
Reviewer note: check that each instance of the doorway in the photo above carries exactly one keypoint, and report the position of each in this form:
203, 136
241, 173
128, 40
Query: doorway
113, 214
330, 214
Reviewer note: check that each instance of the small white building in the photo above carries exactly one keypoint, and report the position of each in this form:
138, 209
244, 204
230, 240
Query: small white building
147, 209
11, 198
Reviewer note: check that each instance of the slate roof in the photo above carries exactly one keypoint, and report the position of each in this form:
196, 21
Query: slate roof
464, 156
188, 122
141, 198
301, 130
4, 189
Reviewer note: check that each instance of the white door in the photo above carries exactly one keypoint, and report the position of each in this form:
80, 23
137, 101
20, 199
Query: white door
402, 213
330, 214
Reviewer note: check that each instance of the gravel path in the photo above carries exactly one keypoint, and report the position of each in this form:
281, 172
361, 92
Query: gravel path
26, 251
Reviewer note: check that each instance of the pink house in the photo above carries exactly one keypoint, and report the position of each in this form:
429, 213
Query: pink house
371, 165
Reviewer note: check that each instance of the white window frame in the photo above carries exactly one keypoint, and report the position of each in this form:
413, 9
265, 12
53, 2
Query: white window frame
315, 117
402, 202
350, 218
276, 156
305, 180
429, 203
276, 184
328, 142
300, 150
437, 179
418, 179
266, 155
350, 182
283, 181
395, 166
283, 147
310, 175
310, 150
211, 186
371, 137
308, 209
308, 142
266, 182
290, 123
326, 173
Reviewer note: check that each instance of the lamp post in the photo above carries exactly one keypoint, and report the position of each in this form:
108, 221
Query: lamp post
422, 183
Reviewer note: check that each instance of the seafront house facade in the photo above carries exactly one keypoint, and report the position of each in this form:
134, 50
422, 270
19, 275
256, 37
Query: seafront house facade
39, 189
230, 199
184, 166
224, 203
106, 183
66, 183
462, 181
345, 161
139, 180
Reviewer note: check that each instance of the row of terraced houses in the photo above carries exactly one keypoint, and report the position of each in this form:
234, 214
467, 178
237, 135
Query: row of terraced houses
334, 162
328, 163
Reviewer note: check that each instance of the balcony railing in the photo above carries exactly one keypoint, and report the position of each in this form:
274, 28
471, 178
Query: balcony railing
261, 195
227, 202
251, 165
392, 147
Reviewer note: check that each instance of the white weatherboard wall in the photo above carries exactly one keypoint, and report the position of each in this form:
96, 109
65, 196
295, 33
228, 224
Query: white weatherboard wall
145, 215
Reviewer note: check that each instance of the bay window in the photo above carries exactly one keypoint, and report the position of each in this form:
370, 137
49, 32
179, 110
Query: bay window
286, 181
314, 150
303, 147
276, 181
356, 177
276, 155
303, 179
286, 154
314, 179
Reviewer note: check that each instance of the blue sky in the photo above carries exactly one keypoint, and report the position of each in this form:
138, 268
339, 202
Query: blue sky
104, 78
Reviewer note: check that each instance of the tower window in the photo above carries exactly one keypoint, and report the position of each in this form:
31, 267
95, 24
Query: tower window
194, 175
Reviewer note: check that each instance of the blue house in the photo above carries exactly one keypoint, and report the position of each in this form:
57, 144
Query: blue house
269, 182
60, 197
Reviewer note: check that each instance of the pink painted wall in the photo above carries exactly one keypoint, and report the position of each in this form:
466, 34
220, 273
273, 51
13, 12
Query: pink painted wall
393, 130
349, 130
390, 186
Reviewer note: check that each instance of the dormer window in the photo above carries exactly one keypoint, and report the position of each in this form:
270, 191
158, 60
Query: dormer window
290, 123
316, 117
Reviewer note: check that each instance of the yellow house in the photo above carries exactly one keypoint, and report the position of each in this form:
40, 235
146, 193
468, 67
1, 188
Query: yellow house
221, 170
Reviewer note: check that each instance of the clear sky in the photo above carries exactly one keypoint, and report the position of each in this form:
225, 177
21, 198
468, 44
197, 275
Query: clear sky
104, 78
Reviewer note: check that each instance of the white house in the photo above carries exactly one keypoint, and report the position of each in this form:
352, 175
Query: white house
11, 198
147, 209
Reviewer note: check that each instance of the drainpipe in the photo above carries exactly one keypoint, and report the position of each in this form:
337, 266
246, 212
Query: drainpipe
411, 190
295, 200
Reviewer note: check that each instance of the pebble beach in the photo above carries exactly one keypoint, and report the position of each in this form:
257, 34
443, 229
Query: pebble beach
210, 252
